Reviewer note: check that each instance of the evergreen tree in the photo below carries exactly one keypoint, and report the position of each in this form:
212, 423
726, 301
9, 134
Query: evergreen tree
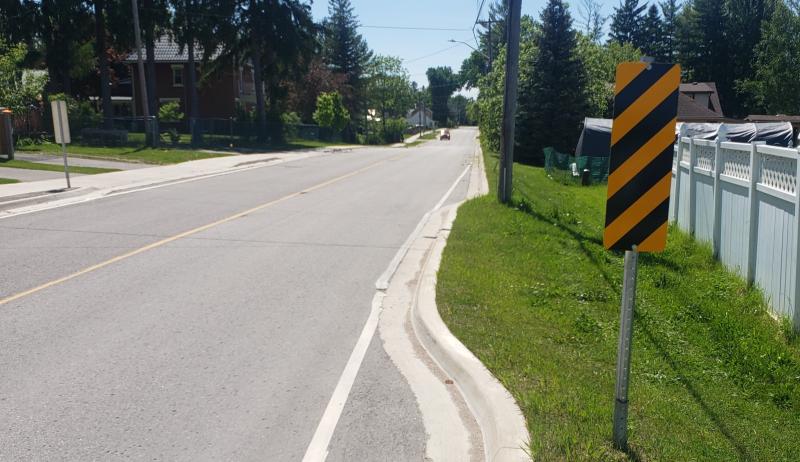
626, 23
669, 14
743, 33
346, 51
703, 47
653, 34
553, 97
775, 86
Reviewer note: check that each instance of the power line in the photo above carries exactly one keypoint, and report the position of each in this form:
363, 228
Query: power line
429, 55
415, 28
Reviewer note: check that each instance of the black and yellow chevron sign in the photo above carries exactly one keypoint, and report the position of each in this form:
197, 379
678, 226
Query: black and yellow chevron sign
640, 167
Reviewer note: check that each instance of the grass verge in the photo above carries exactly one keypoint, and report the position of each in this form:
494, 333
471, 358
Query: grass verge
531, 291
125, 154
23, 164
8, 181
167, 155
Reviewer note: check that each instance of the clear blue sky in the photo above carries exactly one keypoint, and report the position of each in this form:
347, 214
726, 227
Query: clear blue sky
414, 46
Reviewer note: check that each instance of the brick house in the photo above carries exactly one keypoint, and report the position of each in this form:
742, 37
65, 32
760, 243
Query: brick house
219, 95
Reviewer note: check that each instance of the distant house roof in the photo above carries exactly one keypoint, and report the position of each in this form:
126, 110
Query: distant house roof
413, 112
793, 119
691, 110
168, 51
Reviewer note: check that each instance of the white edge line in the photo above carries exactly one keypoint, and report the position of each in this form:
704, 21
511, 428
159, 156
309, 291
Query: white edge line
383, 281
317, 450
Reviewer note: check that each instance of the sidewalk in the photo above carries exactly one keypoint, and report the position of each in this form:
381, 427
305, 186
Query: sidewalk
21, 196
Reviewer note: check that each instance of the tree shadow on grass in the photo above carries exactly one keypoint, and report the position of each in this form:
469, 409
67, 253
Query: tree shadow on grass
584, 241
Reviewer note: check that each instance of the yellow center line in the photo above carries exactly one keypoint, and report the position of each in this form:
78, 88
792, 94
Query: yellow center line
190, 232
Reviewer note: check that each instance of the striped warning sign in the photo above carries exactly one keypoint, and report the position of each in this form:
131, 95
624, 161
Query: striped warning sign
640, 167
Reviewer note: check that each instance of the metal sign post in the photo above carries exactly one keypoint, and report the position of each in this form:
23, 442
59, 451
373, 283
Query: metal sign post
624, 349
61, 131
637, 199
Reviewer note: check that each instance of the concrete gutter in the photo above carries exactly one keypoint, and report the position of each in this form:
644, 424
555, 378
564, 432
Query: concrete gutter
467, 412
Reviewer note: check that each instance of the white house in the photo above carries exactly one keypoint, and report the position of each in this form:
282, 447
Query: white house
418, 117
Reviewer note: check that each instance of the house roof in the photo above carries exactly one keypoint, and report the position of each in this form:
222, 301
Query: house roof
168, 51
795, 119
690, 110
412, 112
698, 87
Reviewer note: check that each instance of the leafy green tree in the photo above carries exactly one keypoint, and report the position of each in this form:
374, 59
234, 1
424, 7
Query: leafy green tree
745, 19
346, 51
775, 87
669, 14
18, 21
155, 17
65, 29
443, 83
626, 23
553, 102
652, 43
331, 112
388, 87
19, 89
600, 64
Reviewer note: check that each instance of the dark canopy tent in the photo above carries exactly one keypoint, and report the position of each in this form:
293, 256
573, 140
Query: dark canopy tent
772, 133
595, 140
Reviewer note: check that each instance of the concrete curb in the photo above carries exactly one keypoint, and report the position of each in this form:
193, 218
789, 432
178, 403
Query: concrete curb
505, 434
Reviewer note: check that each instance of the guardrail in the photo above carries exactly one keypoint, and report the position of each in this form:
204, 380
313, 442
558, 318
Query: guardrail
743, 199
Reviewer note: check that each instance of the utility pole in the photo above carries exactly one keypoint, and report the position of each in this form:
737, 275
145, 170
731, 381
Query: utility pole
140, 63
509, 102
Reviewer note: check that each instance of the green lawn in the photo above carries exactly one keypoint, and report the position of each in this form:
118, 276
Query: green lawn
531, 291
8, 181
23, 164
166, 155
432, 135
127, 154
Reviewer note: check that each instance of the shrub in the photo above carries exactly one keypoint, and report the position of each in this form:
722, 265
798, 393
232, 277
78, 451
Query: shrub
290, 122
170, 112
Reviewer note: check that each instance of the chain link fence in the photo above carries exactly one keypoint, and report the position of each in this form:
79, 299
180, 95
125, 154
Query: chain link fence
568, 169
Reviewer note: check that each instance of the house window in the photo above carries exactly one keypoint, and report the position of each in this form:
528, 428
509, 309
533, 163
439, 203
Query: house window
177, 76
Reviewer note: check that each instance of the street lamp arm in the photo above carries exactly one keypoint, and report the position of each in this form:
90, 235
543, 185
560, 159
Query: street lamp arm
467, 44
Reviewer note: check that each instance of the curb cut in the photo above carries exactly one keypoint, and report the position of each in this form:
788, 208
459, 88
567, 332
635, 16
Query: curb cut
505, 433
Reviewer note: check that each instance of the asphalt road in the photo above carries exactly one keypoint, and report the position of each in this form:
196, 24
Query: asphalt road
225, 344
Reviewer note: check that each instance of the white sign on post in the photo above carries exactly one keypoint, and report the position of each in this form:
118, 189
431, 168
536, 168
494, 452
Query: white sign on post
61, 131
60, 121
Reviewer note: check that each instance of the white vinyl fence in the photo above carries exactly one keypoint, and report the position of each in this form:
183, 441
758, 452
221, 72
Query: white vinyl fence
743, 200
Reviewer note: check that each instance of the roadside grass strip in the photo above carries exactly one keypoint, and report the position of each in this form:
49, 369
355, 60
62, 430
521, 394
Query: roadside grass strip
125, 154
25, 165
8, 181
531, 291
168, 155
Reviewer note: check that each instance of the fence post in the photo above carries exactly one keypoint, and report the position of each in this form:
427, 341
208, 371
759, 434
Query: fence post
752, 205
796, 295
692, 160
677, 197
716, 233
